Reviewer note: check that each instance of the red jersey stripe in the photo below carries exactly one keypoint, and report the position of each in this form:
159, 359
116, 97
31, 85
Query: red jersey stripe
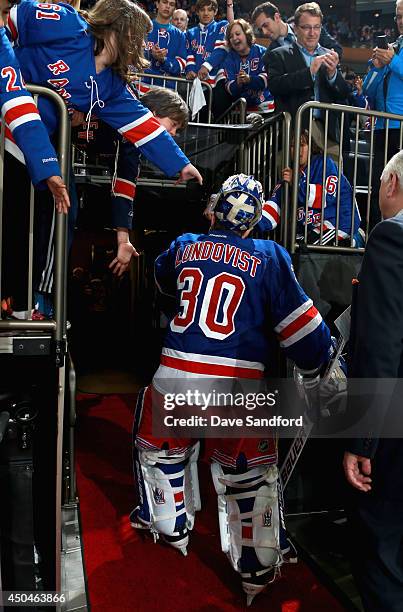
271, 211
210, 369
8, 134
124, 188
317, 203
143, 130
20, 111
299, 323
13, 29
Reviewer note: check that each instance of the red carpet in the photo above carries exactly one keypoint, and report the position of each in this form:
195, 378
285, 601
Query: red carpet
126, 570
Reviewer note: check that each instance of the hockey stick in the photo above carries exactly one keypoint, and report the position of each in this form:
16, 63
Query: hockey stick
343, 325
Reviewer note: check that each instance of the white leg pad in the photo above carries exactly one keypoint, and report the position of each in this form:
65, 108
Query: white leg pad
192, 489
249, 516
172, 492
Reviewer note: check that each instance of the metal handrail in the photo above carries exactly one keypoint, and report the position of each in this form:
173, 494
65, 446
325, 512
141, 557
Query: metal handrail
176, 81
58, 325
236, 113
343, 109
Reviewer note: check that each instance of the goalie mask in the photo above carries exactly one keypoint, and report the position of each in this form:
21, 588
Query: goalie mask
238, 204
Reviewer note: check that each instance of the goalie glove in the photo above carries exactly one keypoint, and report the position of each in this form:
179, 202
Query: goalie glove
324, 389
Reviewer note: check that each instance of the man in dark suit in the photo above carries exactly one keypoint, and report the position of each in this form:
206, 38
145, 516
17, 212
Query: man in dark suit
267, 18
374, 465
306, 71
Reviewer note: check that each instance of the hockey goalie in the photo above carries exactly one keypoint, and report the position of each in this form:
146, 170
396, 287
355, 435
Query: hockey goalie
236, 298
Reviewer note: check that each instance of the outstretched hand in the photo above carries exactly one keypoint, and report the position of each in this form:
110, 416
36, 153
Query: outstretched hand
123, 258
190, 172
60, 193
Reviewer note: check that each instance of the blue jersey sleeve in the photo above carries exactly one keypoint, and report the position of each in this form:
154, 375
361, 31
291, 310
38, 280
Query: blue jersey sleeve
259, 77
33, 23
231, 72
23, 125
220, 50
359, 100
190, 54
164, 271
125, 113
175, 62
315, 197
271, 210
301, 332
124, 186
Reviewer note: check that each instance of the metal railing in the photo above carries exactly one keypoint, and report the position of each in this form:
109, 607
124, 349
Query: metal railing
264, 153
143, 81
235, 114
361, 182
56, 326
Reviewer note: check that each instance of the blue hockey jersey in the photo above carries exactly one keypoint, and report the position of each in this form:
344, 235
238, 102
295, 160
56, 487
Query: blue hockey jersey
24, 129
271, 209
55, 48
235, 300
124, 185
166, 36
255, 92
206, 47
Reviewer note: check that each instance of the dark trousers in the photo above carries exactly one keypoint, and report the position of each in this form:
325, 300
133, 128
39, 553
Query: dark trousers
376, 539
378, 166
15, 238
15, 232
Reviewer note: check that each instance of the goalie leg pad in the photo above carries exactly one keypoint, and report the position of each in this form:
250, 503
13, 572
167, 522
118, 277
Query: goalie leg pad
249, 523
168, 491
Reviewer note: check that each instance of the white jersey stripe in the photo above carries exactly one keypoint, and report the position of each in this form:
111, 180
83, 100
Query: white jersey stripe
24, 119
240, 363
151, 136
20, 101
15, 151
304, 331
293, 316
137, 122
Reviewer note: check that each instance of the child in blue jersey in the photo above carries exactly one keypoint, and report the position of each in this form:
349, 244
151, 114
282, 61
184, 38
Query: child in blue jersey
244, 70
171, 111
166, 45
87, 62
313, 219
206, 53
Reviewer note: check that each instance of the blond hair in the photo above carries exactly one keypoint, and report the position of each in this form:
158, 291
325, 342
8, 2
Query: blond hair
312, 8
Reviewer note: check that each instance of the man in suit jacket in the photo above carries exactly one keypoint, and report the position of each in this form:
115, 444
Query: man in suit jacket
306, 71
267, 18
374, 465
